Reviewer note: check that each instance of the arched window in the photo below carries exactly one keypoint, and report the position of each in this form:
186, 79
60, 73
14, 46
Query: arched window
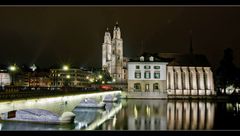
137, 87
155, 87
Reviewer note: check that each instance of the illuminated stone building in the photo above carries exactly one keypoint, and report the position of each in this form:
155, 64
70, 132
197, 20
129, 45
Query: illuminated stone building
112, 55
73, 77
5, 78
165, 75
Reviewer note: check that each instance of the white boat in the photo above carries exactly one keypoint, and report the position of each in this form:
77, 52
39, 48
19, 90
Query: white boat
37, 115
90, 103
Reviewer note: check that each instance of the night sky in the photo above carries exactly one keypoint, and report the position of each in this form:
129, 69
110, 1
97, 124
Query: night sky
58, 35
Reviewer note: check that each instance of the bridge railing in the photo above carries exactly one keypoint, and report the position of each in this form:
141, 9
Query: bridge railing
16, 93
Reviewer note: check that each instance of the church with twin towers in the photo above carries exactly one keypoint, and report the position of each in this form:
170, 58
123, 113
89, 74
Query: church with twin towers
112, 55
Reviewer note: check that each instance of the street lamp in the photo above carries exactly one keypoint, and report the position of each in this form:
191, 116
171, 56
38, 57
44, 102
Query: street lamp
65, 67
12, 69
68, 76
100, 76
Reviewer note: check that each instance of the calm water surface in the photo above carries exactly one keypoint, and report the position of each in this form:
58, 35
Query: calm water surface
139, 114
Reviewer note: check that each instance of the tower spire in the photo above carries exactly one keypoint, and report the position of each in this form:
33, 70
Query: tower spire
191, 47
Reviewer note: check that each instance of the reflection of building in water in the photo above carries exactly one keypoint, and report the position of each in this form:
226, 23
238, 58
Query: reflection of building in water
176, 115
233, 107
147, 115
190, 115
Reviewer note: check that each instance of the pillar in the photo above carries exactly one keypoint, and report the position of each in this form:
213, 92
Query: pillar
186, 82
201, 87
193, 80
171, 80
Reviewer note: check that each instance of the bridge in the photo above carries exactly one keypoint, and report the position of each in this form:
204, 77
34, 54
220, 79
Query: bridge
56, 104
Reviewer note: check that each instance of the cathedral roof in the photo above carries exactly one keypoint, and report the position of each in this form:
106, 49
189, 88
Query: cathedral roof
186, 59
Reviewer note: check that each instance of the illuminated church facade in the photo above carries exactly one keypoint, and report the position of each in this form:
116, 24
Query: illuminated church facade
112, 55
158, 75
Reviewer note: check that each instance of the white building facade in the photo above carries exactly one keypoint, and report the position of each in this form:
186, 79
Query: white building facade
112, 55
5, 78
151, 77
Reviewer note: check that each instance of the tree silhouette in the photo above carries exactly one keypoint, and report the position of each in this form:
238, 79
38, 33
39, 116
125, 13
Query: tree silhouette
227, 72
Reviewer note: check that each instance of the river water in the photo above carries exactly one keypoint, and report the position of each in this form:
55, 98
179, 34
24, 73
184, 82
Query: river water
139, 114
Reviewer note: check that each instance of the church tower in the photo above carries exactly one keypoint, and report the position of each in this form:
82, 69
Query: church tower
117, 53
112, 54
106, 51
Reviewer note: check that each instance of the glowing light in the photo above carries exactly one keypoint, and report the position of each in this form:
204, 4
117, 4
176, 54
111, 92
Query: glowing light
68, 76
87, 77
100, 76
135, 112
12, 68
33, 67
114, 80
148, 110
65, 68
103, 82
91, 80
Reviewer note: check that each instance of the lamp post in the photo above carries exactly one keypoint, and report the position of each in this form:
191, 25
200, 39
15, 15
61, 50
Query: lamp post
12, 69
33, 68
66, 68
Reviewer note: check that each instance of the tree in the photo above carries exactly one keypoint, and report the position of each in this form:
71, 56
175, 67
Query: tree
226, 73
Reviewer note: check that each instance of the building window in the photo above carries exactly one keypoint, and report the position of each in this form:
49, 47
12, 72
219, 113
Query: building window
157, 75
147, 67
137, 67
151, 58
138, 75
137, 87
156, 67
147, 75
155, 86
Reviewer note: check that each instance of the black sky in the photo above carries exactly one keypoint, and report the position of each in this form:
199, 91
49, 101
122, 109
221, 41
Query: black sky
57, 35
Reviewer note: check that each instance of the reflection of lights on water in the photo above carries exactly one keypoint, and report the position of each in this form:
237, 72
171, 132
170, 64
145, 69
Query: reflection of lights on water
229, 106
114, 121
148, 110
233, 107
81, 125
135, 112
0, 126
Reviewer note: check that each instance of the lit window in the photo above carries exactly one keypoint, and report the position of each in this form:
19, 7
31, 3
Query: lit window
147, 67
147, 75
137, 67
156, 67
157, 75
138, 75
